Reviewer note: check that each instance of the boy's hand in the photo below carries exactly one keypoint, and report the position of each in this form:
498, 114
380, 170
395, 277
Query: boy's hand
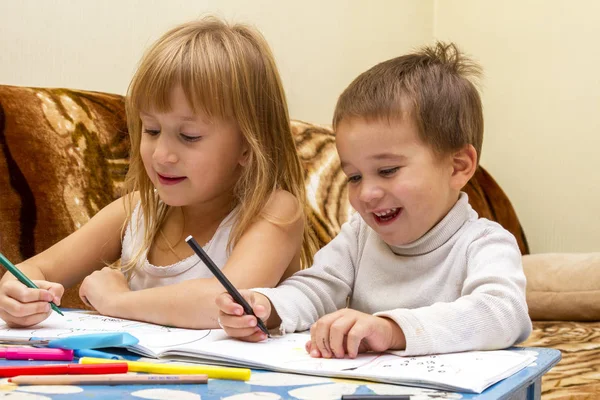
351, 332
100, 290
21, 306
239, 325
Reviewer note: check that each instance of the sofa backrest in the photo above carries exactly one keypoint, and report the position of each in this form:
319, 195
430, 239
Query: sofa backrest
64, 156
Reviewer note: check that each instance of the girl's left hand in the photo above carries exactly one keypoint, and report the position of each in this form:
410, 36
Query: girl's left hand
100, 290
351, 332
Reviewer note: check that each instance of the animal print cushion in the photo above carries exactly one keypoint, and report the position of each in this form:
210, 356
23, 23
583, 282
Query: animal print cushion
64, 156
577, 375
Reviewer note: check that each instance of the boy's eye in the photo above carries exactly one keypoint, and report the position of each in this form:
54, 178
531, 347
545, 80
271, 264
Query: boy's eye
152, 132
354, 179
190, 138
388, 171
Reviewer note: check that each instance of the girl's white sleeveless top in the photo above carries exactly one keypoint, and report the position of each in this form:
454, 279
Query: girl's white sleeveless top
146, 275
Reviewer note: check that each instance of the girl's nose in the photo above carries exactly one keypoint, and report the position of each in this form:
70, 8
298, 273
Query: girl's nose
164, 151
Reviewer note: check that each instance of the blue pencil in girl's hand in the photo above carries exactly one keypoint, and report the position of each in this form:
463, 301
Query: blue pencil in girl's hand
23, 278
237, 297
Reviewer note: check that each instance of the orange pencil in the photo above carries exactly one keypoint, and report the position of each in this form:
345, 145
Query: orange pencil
109, 379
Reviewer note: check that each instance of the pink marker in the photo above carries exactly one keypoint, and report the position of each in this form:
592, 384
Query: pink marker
34, 353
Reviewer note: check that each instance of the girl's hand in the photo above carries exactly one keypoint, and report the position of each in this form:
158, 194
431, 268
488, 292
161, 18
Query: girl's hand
239, 325
351, 332
21, 306
101, 289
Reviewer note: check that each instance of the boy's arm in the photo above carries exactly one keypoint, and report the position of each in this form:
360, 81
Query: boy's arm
491, 312
321, 289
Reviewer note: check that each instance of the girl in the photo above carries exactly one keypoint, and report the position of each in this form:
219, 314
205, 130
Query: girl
212, 156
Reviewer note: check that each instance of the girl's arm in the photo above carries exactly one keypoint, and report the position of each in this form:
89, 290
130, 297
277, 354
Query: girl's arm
65, 263
91, 247
259, 259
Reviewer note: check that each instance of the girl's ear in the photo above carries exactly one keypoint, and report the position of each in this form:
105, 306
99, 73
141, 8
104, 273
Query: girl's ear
464, 165
245, 156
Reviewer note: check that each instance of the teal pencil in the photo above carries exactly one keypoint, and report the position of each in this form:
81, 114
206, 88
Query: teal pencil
23, 279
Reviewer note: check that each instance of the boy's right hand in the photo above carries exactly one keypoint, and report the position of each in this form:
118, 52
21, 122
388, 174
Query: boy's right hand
239, 325
21, 306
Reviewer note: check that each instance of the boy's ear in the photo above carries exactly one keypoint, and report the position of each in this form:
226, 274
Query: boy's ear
464, 164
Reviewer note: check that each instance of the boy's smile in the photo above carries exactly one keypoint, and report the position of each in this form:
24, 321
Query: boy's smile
400, 187
387, 216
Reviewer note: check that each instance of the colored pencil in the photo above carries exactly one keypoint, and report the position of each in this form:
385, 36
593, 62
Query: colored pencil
23, 278
213, 371
110, 379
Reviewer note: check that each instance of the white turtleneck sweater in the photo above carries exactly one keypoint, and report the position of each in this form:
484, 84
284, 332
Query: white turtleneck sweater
459, 287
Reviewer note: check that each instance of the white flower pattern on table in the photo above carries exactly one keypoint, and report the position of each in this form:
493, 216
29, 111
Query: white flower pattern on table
165, 394
331, 391
23, 396
303, 387
51, 389
254, 396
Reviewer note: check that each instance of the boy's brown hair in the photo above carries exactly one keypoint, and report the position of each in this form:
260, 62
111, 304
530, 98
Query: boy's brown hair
432, 86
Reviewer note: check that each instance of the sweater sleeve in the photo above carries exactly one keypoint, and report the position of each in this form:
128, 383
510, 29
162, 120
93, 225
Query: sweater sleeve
491, 312
321, 289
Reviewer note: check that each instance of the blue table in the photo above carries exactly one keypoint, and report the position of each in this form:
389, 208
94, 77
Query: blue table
526, 384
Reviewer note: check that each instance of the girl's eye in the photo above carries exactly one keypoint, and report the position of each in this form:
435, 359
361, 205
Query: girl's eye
388, 171
189, 138
152, 132
354, 179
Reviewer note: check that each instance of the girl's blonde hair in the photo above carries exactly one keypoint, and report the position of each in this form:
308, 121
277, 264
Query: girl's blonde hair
226, 72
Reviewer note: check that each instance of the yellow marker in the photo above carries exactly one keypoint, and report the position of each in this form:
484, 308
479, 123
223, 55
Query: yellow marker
239, 374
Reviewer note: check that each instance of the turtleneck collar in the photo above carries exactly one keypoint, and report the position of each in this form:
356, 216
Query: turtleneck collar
440, 233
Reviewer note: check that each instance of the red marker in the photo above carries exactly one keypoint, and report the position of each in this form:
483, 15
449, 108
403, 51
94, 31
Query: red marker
58, 369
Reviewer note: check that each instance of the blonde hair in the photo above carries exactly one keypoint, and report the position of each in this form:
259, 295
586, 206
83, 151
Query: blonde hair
227, 72
432, 86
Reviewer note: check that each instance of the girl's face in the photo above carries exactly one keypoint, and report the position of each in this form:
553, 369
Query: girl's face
189, 159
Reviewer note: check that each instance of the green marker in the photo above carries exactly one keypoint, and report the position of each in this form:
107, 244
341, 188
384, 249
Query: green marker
23, 279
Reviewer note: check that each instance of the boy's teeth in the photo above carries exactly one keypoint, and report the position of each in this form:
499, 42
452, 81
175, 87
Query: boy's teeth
386, 212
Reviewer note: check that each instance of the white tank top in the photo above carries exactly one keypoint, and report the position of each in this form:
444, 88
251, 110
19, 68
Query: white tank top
146, 275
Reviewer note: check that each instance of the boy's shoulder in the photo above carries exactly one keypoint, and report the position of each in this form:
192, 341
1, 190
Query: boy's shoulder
482, 229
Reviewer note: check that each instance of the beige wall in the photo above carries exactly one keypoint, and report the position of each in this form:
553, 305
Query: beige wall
541, 91
541, 96
320, 46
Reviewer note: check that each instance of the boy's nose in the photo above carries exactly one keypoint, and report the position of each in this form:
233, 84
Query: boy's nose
370, 193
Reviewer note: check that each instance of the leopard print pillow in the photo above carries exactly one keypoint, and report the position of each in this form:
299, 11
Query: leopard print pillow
65, 155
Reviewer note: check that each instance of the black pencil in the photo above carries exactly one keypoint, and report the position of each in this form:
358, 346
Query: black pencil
237, 297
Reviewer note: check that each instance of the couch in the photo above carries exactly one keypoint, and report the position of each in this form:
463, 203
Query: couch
64, 156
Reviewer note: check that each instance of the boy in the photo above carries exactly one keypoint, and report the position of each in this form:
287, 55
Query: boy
422, 272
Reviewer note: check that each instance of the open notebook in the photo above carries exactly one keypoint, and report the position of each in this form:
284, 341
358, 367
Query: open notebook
463, 372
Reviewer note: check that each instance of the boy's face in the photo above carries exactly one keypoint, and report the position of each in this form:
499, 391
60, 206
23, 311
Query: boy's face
400, 187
